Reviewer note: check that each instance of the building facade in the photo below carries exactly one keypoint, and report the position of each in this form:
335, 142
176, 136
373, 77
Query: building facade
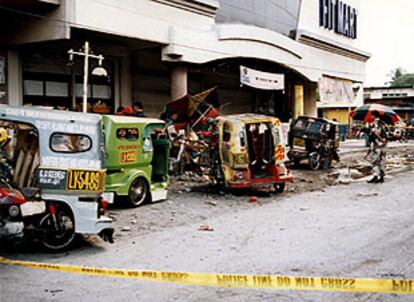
400, 99
160, 50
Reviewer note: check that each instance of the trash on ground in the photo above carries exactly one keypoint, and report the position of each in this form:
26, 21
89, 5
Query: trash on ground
206, 228
252, 199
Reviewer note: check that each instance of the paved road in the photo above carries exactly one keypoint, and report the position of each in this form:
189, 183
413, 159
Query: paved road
352, 145
358, 230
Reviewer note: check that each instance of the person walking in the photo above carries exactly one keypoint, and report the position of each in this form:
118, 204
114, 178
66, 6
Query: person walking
376, 152
138, 108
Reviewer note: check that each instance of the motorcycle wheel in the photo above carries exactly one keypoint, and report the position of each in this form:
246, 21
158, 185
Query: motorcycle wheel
57, 240
314, 161
404, 139
138, 193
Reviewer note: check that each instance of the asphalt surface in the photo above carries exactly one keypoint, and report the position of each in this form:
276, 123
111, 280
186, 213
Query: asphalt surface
356, 230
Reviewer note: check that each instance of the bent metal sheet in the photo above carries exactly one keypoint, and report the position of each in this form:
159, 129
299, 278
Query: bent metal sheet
261, 80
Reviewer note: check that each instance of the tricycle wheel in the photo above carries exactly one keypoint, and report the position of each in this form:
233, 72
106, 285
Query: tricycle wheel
314, 161
327, 163
280, 187
138, 192
60, 235
296, 163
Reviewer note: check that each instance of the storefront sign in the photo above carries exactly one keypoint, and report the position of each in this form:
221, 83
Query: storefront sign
261, 80
335, 91
338, 16
2, 70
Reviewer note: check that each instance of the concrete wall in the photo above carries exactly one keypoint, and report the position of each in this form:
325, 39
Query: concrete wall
277, 15
309, 21
195, 38
49, 25
340, 114
14, 79
141, 19
377, 93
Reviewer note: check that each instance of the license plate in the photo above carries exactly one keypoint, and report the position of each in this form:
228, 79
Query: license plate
108, 196
85, 180
299, 142
31, 208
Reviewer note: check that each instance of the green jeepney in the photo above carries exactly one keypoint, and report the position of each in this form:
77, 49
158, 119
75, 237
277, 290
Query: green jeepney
137, 151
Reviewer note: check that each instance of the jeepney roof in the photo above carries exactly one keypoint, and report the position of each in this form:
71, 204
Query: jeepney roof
249, 118
319, 119
28, 113
132, 119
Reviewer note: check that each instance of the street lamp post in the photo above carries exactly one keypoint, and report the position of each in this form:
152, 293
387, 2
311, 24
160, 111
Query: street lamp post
86, 53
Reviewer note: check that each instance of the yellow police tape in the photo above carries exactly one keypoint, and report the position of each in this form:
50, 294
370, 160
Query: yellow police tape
236, 281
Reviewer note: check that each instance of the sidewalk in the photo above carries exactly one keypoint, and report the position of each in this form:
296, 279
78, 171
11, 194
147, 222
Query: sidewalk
355, 145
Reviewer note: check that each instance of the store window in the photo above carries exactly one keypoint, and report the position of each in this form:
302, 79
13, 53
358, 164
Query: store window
33, 88
79, 90
49, 81
57, 89
101, 91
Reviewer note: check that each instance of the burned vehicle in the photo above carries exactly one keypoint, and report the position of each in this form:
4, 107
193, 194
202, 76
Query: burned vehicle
52, 176
313, 139
248, 151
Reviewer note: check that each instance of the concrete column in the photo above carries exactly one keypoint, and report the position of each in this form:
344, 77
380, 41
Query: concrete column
299, 101
14, 79
178, 81
125, 81
310, 107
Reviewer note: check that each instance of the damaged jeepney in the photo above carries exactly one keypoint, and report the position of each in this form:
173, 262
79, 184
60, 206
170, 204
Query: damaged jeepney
137, 158
248, 152
52, 176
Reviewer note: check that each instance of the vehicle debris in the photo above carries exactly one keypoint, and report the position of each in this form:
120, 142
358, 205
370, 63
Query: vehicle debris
206, 228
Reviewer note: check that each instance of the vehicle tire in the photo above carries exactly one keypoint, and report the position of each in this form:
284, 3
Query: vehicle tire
296, 163
314, 161
138, 192
404, 138
58, 240
280, 187
326, 163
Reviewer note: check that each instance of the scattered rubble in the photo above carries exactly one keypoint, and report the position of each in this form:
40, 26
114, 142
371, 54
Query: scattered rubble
252, 199
206, 228
208, 201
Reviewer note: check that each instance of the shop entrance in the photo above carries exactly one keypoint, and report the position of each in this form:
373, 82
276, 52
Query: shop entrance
237, 98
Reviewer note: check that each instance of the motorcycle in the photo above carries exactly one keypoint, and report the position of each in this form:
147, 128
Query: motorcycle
24, 215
